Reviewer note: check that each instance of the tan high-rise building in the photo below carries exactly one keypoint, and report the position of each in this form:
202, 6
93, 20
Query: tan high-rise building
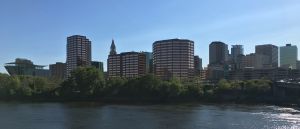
78, 52
173, 58
127, 64
133, 64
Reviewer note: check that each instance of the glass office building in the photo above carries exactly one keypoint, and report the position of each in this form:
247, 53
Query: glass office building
288, 56
26, 67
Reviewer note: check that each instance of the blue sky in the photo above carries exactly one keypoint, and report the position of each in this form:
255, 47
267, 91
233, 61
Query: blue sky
37, 29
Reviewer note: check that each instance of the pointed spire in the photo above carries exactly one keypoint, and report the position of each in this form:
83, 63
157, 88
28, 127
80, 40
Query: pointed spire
113, 48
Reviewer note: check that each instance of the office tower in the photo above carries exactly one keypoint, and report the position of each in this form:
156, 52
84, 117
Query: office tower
298, 64
236, 50
126, 64
218, 53
149, 62
58, 70
173, 58
268, 50
288, 56
197, 65
98, 65
26, 67
78, 52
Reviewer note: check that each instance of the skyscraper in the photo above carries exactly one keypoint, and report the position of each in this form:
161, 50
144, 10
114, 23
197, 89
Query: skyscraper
126, 64
218, 53
133, 64
78, 52
253, 60
268, 50
288, 56
173, 58
236, 50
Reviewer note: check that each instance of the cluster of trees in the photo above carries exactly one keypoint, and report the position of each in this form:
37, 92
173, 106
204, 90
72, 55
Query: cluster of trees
24, 87
89, 83
250, 90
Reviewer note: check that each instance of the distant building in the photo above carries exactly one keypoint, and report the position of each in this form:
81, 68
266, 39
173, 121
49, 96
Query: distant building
298, 64
255, 61
197, 65
218, 53
173, 58
26, 67
149, 62
98, 65
133, 64
216, 72
114, 66
78, 52
288, 56
58, 70
114, 62
268, 50
218, 61
127, 64
271, 74
236, 50
204, 74
113, 50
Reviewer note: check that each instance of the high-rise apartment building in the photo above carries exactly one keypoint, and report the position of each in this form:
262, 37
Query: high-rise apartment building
133, 64
78, 52
268, 50
288, 56
173, 58
127, 64
218, 53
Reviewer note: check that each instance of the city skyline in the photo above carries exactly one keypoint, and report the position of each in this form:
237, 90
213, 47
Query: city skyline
276, 23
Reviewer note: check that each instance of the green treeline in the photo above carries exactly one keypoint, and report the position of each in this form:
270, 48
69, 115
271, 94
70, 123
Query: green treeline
90, 84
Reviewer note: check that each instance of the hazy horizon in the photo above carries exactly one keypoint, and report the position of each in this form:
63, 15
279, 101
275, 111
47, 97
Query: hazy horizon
37, 30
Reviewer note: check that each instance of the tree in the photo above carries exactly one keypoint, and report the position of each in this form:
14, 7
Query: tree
84, 81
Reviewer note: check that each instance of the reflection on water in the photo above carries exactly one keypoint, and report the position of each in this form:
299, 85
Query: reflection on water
186, 116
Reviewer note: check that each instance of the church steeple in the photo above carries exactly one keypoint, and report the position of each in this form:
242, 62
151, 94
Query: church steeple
113, 48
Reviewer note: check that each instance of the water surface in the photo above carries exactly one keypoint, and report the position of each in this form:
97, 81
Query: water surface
177, 116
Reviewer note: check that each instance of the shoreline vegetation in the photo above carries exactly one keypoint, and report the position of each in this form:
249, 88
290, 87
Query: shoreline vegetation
89, 84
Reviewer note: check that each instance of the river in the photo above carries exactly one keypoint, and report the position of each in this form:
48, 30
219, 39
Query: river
175, 116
